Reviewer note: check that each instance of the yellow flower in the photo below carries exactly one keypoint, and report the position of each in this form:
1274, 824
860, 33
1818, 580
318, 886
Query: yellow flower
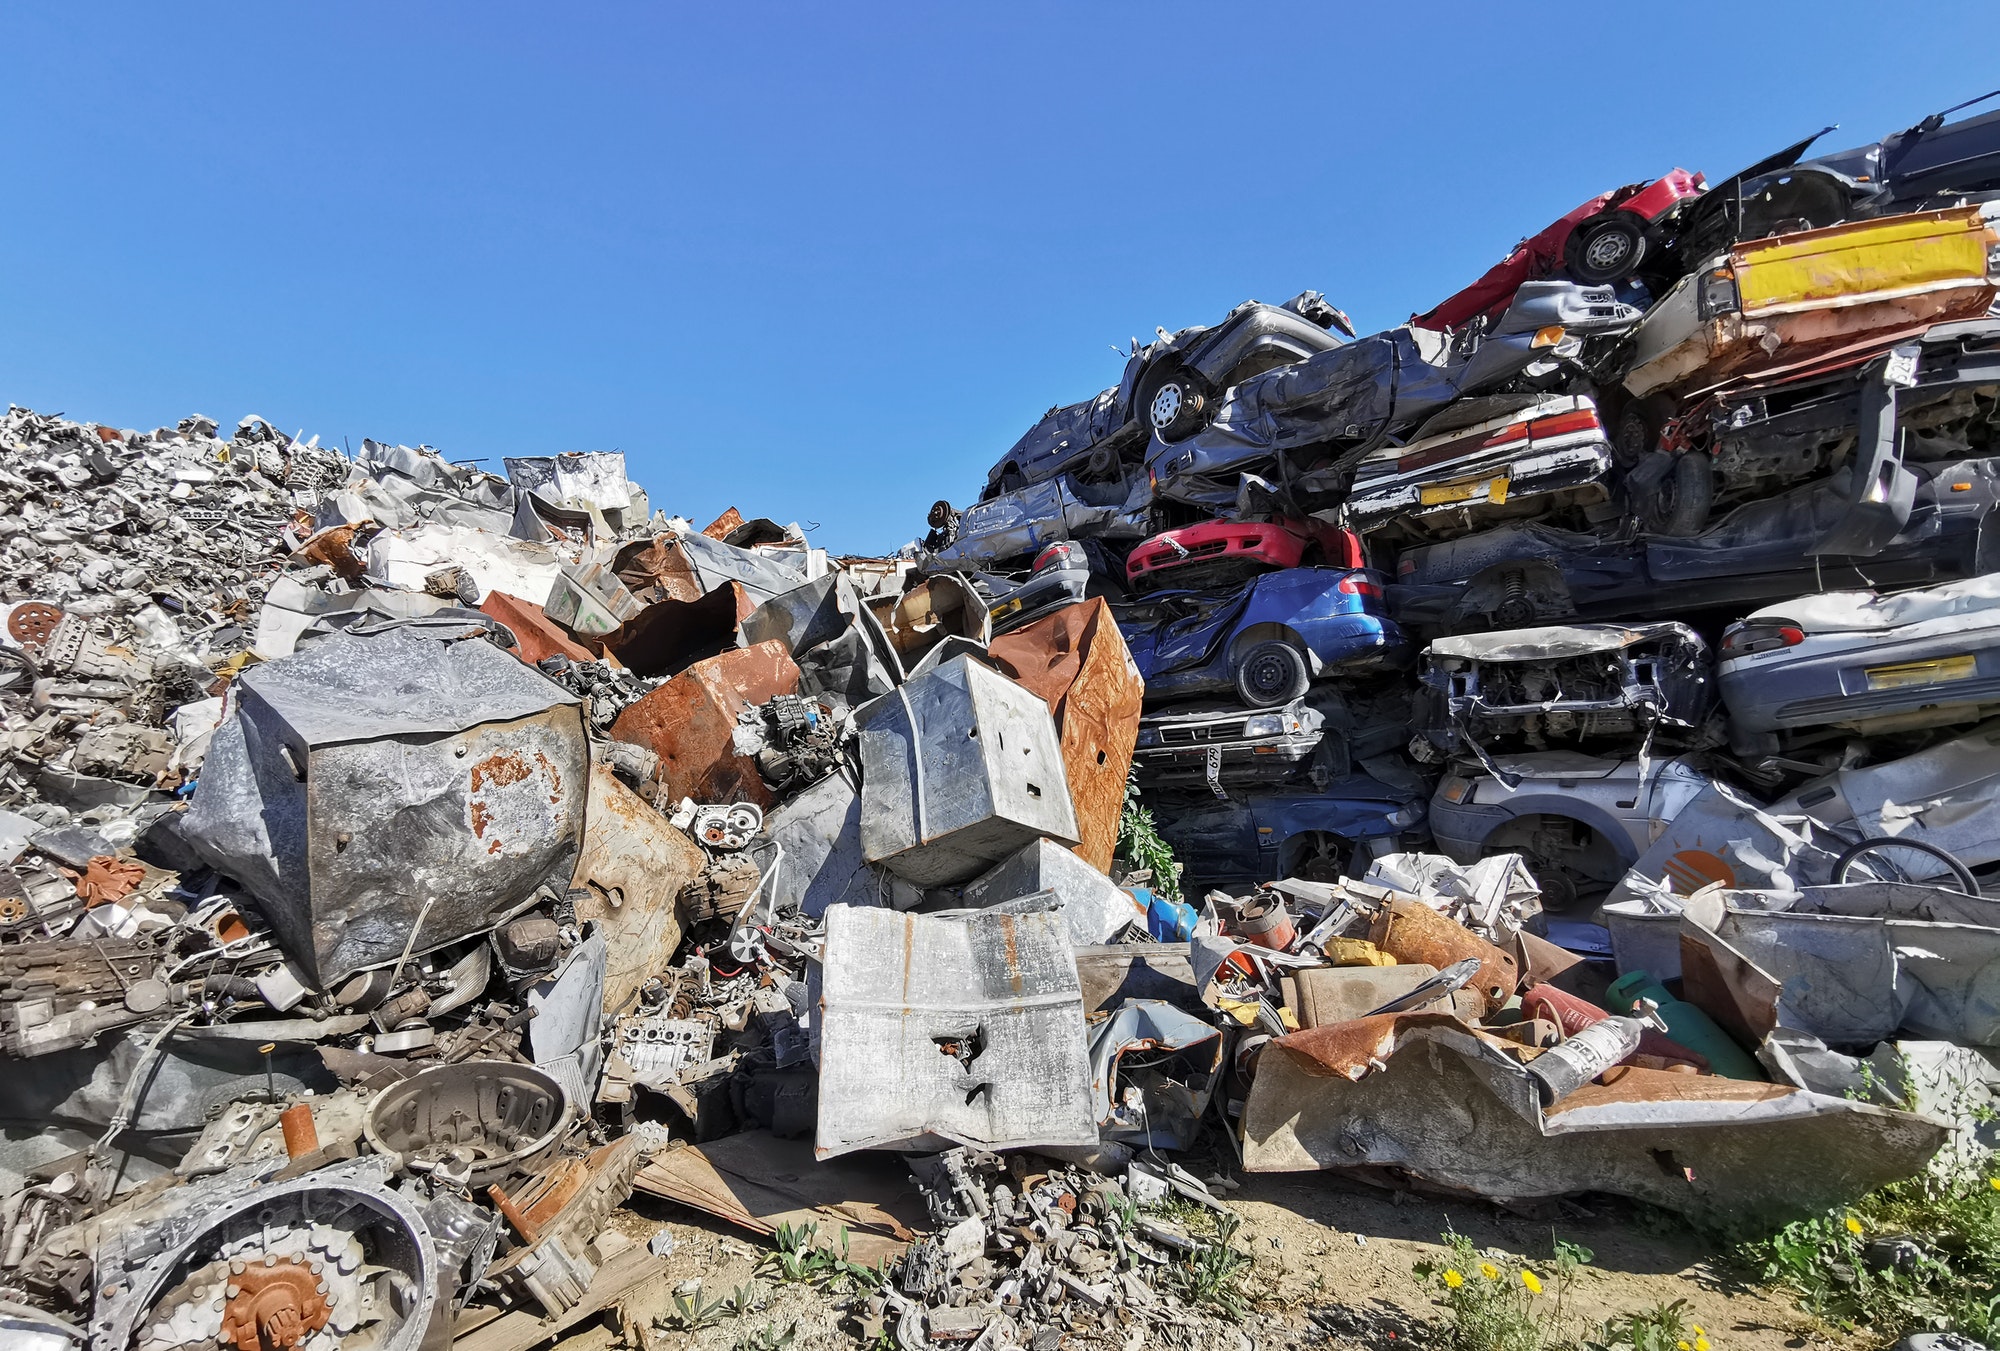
1994, 1183
1532, 1281
1700, 1342
1452, 1279
1697, 1330
1489, 1271
1682, 1346
1853, 1226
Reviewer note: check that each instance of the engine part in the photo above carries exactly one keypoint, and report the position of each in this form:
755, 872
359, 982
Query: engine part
720, 825
559, 1216
331, 1260
484, 1118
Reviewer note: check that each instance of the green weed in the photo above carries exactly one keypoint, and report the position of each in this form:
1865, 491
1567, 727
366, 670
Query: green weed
800, 1259
1140, 845
1664, 1327
767, 1338
1212, 1275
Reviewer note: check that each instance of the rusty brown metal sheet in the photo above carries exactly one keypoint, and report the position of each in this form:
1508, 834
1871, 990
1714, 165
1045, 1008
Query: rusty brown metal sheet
632, 868
721, 526
670, 635
1411, 931
690, 722
657, 569
1077, 662
538, 637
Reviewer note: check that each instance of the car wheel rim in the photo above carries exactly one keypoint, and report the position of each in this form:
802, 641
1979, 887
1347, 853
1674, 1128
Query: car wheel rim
1268, 675
1608, 250
1166, 406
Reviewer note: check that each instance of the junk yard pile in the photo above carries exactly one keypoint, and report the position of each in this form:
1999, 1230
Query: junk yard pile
1538, 749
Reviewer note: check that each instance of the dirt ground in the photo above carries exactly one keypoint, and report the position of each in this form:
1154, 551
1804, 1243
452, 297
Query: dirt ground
1333, 1269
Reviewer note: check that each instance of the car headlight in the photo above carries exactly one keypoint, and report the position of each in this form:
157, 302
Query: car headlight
1455, 790
1717, 292
1264, 725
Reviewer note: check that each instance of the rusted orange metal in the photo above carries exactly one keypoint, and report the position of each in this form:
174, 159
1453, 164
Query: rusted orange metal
1077, 661
301, 1135
690, 722
656, 569
537, 635
720, 527
273, 1305
1411, 931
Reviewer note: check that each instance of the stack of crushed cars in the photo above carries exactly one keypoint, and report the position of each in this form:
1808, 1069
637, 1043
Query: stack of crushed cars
1659, 560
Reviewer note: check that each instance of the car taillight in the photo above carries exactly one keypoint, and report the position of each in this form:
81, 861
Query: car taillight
1715, 293
1356, 585
1055, 556
1562, 424
1761, 635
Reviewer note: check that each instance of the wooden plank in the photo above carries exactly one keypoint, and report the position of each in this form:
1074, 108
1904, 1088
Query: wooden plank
488, 1329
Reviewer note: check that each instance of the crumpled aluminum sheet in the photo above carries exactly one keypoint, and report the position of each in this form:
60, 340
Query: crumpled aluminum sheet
1424, 1093
596, 477
366, 786
901, 992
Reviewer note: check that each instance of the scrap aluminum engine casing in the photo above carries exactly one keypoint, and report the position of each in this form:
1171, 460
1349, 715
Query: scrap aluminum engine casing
366, 785
960, 767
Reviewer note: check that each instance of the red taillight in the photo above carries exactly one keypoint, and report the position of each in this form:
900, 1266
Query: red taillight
1053, 556
1356, 585
1562, 424
1761, 636
1516, 431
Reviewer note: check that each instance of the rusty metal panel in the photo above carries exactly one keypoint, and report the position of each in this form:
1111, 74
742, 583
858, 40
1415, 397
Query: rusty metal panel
1077, 661
632, 867
369, 789
671, 635
656, 569
537, 636
690, 722
1865, 260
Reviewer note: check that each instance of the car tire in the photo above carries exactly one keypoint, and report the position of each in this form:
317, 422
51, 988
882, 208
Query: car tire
1272, 674
1637, 431
1677, 505
1174, 402
1606, 248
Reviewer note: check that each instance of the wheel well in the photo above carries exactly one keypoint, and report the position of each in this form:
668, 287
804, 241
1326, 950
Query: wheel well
1264, 633
1580, 848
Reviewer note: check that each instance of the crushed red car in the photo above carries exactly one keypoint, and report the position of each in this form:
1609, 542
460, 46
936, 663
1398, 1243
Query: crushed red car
1605, 240
1228, 551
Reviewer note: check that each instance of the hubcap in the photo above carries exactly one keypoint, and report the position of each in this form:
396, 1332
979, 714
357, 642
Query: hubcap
1608, 250
1166, 406
1268, 675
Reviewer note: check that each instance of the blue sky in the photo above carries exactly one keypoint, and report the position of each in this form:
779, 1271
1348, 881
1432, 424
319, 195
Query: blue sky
822, 262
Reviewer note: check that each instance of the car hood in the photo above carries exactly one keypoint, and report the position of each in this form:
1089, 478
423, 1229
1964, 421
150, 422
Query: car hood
1553, 643
1867, 612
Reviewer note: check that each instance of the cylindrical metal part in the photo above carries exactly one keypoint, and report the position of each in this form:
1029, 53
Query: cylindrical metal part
1561, 1070
1265, 922
301, 1136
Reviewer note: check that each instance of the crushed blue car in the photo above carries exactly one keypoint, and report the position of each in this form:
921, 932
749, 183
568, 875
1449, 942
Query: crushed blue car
1265, 834
1267, 640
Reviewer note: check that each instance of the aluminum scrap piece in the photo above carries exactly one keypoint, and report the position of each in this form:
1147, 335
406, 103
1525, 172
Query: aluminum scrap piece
959, 768
368, 786
964, 1028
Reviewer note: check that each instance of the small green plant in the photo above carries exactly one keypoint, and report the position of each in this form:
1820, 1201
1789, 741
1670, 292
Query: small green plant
691, 1313
1664, 1327
1918, 1254
1212, 1275
1497, 1302
800, 1259
767, 1338
1140, 845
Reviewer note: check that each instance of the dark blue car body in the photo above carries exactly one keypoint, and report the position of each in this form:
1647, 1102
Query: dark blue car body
1188, 642
1264, 835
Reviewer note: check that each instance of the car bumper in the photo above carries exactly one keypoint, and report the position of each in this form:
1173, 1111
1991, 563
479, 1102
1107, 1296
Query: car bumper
1460, 832
1476, 491
1879, 682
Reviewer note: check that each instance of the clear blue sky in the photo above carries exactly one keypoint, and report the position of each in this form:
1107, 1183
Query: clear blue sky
822, 262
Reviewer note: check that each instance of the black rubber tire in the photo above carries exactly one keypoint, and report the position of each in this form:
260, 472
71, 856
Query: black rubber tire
1191, 409
1637, 431
1606, 248
1272, 674
1678, 504
1967, 883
